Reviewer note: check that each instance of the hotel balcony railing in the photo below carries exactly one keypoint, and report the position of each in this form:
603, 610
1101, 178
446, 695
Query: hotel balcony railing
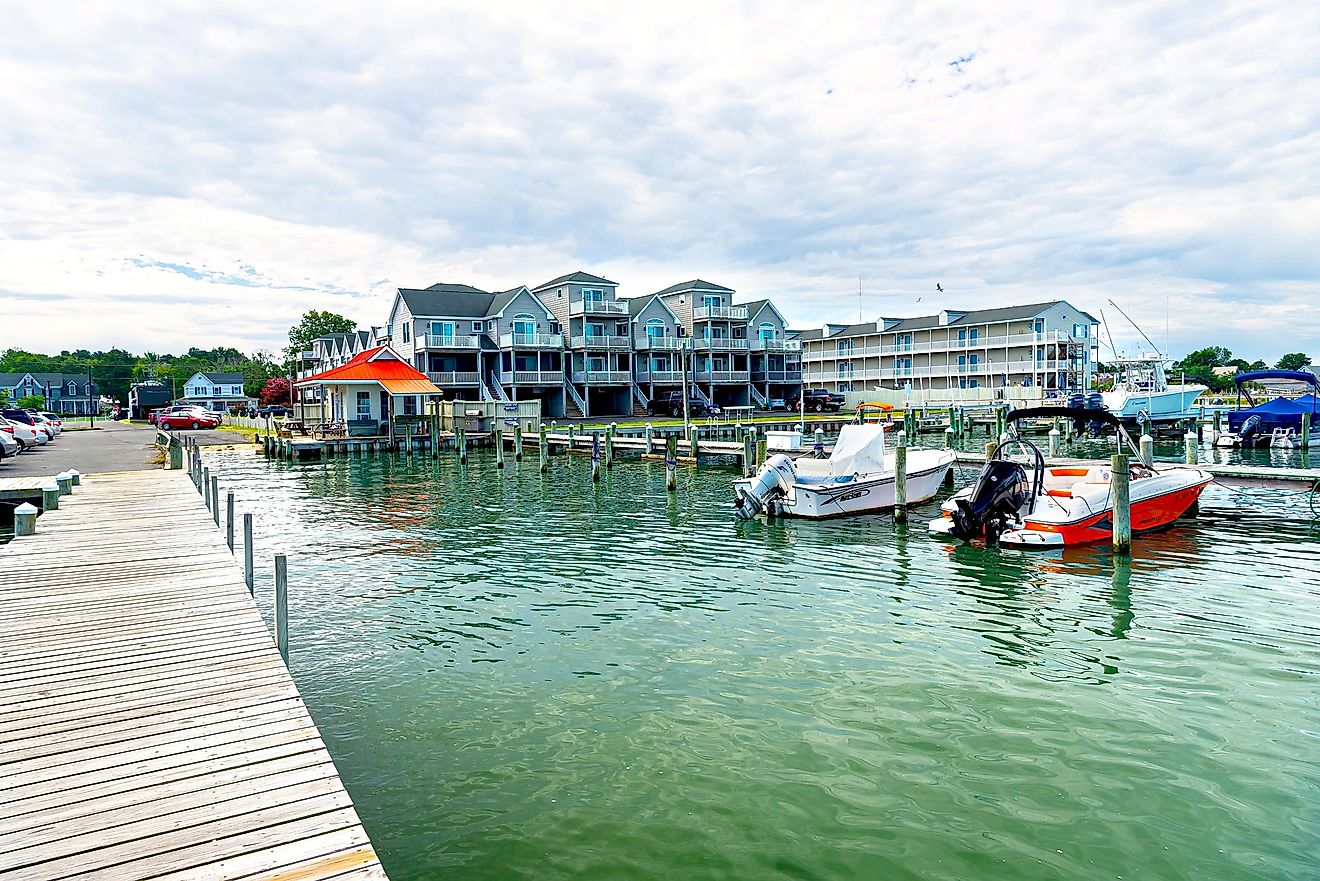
664, 377
721, 376
532, 377
597, 307
452, 377
612, 343
659, 343
776, 375
449, 341
760, 345
719, 344
831, 350
531, 341
602, 377
707, 313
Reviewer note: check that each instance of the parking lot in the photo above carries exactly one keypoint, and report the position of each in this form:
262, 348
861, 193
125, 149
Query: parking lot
111, 446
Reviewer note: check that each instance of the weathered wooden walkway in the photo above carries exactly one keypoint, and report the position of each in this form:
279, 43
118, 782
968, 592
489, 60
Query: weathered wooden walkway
148, 726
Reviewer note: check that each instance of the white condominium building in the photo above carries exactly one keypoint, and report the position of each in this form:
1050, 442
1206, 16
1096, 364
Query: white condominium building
1052, 346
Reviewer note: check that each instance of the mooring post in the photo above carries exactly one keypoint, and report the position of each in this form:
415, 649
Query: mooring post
50, 496
229, 520
595, 456
215, 498
460, 436
517, 442
206, 486
76, 475
499, 446
694, 445
990, 448
647, 435
25, 519
1147, 450
1219, 417
544, 451
671, 460
435, 435
1305, 438
1189, 448
749, 453
65, 483
1119, 490
900, 478
247, 553
282, 606
948, 438
818, 445
762, 447
570, 437
176, 455
1054, 442
609, 444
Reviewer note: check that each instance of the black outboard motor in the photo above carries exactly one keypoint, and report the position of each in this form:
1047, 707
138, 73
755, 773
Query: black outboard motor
1250, 428
1000, 492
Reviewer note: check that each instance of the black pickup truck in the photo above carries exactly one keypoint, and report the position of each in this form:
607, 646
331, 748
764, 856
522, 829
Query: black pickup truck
671, 404
818, 400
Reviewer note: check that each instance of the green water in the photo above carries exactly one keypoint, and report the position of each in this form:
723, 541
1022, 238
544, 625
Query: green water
528, 677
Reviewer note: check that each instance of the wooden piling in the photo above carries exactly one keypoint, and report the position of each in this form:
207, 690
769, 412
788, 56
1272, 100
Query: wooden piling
65, 483
517, 442
499, 446
1120, 494
215, 498
50, 497
649, 444
609, 444
694, 445
1189, 448
229, 520
1147, 450
206, 486
671, 461
1305, 438
762, 448
948, 436
544, 449
25, 519
990, 448
749, 453
900, 478
460, 437
176, 455
1054, 442
247, 553
595, 456
282, 606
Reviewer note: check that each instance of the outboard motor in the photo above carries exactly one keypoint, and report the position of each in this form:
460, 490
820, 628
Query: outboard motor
773, 481
1000, 492
1250, 428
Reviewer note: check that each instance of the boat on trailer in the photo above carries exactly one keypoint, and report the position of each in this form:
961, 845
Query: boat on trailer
1276, 422
856, 478
1054, 506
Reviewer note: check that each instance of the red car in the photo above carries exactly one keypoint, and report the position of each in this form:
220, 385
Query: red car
188, 419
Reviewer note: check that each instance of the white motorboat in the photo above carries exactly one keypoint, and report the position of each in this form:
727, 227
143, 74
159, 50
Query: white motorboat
1142, 393
856, 478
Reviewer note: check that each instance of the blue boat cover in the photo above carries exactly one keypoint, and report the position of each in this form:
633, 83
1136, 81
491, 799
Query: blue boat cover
1278, 413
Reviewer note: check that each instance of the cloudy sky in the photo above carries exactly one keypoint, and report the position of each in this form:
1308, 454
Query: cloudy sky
200, 174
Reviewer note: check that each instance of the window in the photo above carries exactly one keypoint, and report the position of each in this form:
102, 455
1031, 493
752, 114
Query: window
73, 388
554, 327
406, 335
442, 328
844, 347
524, 325
592, 297
973, 361
655, 327
711, 301
596, 364
765, 331
962, 337
410, 405
973, 383
595, 329
1039, 325
476, 327
364, 405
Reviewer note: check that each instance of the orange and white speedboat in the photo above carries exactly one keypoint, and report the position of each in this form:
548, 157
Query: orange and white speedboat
1063, 505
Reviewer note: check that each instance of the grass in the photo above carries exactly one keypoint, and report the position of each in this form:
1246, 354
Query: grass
640, 422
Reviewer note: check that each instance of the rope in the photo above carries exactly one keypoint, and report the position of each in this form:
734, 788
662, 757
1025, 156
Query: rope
1262, 492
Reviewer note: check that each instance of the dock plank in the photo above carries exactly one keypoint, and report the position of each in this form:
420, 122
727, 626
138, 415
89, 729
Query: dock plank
148, 726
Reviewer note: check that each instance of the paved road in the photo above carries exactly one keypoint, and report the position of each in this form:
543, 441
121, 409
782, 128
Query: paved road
112, 446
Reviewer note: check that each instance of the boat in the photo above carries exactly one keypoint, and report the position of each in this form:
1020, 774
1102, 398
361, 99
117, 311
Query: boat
856, 478
1056, 506
1142, 393
1276, 422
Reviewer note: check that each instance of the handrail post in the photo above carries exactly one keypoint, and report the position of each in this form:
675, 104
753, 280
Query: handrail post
247, 553
229, 520
282, 606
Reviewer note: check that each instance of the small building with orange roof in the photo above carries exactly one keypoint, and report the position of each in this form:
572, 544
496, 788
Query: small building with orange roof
371, 389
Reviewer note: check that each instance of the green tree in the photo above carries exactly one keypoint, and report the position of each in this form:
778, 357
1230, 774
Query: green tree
315, 324
1293, 361
31, 402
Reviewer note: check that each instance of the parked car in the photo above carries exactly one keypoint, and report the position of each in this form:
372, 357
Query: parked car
818, 400
8, 446
778, 404
56, 419
671, 404
23, 431
274, 410
44, 424
193, 419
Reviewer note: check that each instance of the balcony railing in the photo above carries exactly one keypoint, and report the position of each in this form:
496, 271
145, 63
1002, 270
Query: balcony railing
531, 341
602, 377
830, 349
719, 344
452, 377
449, 341
664, 377
659, 343
707, 313
532, 377
597, 307
776, 375
612, 343
760, 345
721, 376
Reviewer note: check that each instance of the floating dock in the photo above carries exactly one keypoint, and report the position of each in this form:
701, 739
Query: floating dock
149, 727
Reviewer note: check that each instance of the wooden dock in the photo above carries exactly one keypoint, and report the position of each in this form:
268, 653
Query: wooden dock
148, 726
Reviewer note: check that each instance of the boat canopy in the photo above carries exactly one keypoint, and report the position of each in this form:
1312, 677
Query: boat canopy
860, 449
1083, 414
1287, 375
1278, 413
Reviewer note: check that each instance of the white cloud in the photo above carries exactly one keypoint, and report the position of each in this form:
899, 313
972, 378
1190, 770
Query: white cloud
293, 156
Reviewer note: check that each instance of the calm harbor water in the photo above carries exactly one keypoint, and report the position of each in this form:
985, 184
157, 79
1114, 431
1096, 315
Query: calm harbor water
528, 677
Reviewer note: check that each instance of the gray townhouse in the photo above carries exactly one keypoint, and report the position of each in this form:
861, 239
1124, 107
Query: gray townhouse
598, 343
66, 393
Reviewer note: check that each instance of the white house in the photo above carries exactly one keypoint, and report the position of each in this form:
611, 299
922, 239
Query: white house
215, 391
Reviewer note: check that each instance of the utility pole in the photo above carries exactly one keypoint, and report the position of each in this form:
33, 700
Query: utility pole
91, 390
687, 421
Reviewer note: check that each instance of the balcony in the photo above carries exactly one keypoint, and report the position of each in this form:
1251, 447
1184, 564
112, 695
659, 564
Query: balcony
663, 377
602, 377
531, 341
452, 377
448, 341
711, 313
721, 376
777, 375
532, 377
718, 344
609, 343
659, 343
597, 307
760, 345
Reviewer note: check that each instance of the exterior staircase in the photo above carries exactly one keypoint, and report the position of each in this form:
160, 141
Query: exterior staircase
497, 390
574, 406
640, 401
759, 399
701, 395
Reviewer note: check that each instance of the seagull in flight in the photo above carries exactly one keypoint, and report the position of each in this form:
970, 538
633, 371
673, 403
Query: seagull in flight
939, 287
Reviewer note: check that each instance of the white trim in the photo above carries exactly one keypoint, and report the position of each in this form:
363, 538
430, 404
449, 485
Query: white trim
672, 314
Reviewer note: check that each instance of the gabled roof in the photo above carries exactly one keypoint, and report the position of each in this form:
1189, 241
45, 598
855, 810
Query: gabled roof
446, 300
224, 378
755, 306
695, 284
637, 305
957, 318
578, 277
380, 365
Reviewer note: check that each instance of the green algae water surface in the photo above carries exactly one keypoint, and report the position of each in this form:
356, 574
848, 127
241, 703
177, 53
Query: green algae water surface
534, 677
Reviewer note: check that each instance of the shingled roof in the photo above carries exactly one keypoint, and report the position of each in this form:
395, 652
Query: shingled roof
447, 299
578, 277
695, 284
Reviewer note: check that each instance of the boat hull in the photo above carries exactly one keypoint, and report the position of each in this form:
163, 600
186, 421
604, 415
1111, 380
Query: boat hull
1170, 405
824, 500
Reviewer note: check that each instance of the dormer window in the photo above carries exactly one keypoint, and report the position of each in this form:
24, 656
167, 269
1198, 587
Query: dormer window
73, 388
